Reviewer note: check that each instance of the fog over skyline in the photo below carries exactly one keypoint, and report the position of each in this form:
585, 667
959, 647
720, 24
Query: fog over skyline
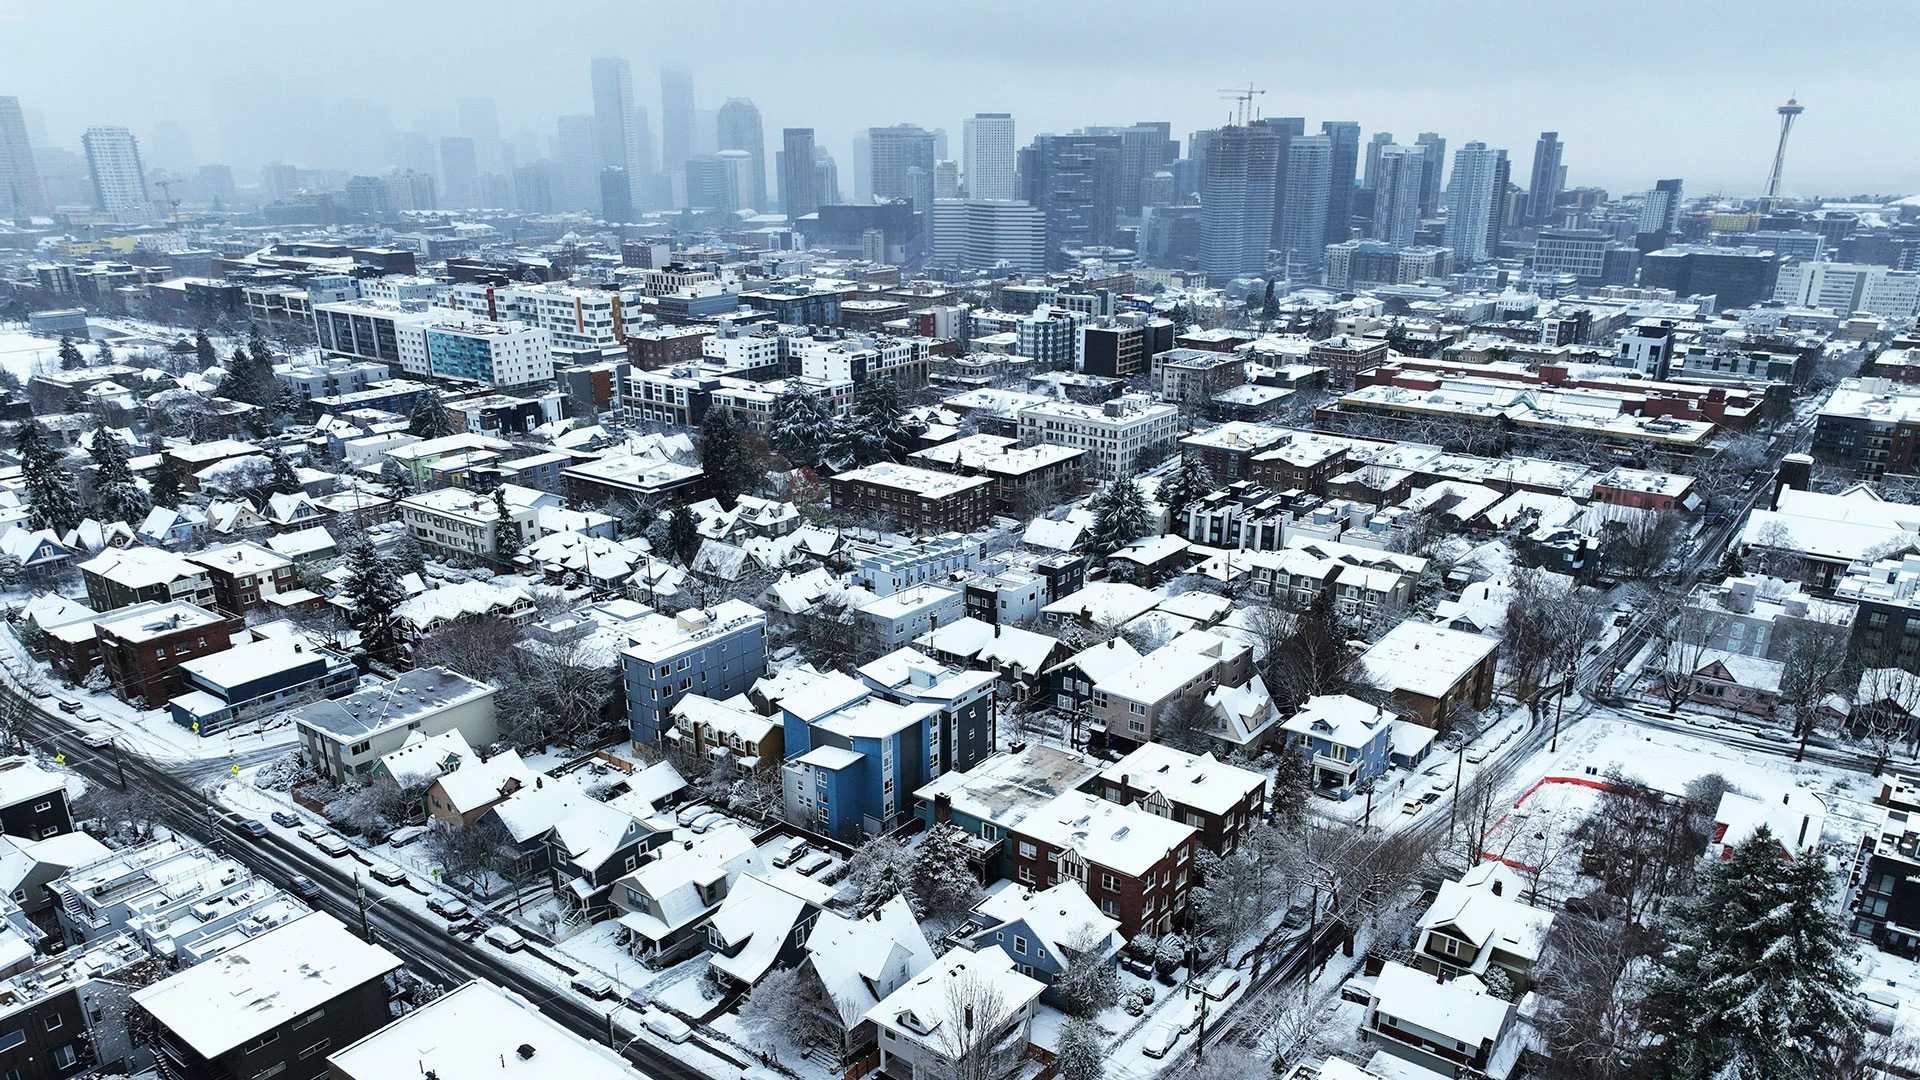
1637, 90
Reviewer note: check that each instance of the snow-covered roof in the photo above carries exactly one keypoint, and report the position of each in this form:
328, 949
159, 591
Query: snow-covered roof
1005, 647
1752, 672
537, 806
141, 567
909, 673
673, 879
1105, 603
450, 602
1057, 916
398, 702
478, 783
733, 716
1339, 719
1185, 779
761, 914
477, 1028
924, 1009
260, 984
1124, 839
648, 788
1103, 660
1488, 921
1796, 819
861, 961
1457, 1008
1064, 535
424, 757
1007, 787
1420, 658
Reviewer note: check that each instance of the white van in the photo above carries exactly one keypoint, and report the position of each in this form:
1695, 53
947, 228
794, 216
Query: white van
789, 851
597, 987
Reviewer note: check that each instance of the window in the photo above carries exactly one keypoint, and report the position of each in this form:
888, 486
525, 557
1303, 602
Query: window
41, 808
1109, 883
1109, 909
268, 1039
64, 1056
1019, 945
53, 1022
275, 1069
1028, 851
309, 1018
317, 1048
12, 1039
1026, 875
989, 831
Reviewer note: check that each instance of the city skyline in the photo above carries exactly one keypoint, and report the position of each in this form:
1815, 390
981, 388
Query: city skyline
1708, 117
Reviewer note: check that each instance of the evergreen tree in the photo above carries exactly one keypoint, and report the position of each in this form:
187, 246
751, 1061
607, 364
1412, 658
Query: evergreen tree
1081, 1054
373, 595
430, 419
874, 430
49, 488
683, 536
285, 479
726, 457
407, 556
942, 877
117, 496
167, 486
1190, 482
395, 481
1759, 981
803, 426
1269, 307
203, 352
70, 355
885, 884
257, 346
1292, 787
506, 532
1120, 516
103, 354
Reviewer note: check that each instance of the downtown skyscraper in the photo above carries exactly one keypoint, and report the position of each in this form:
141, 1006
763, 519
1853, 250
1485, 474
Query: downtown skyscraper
1398, 181
620, 135
738, 124
894, 151
1543, 190
1436, 163
1237, 200
1476, 202
1304, 204
799, 183
1075, 180
988, 155
119, 180
676, 118
1342, 170
20, 188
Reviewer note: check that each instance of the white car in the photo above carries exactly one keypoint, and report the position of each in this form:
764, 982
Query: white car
691, 813
505, 938
707, 821
332, 844
1476, 754
597, 987
668, 1026
1222, 984
789, 851
1160, 1039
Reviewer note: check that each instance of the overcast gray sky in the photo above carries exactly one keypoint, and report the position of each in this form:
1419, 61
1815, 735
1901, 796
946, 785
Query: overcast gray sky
1638, 89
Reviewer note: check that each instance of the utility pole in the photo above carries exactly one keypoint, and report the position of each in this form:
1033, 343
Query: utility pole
1366, 822
1453, 805
1566, 687
360, 898
119, 762
1313, 931
1200, 1034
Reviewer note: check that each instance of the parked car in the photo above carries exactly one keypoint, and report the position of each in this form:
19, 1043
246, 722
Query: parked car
1476, 754
506, 939
690, 814
304, 887
1223, 983
86, 716
790, 851
1411, 806
286, 820
1430, 798
312, 833
253, 828
597, 987
68, 703
1185, 1016
813, 864
410, 834
447, 906
332, 844
1358, 989
96, 737
1160, 1039
707, 821
387, 875
667, 1026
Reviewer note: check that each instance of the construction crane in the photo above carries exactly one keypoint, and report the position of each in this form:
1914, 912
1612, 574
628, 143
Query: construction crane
1244, 97
173, 204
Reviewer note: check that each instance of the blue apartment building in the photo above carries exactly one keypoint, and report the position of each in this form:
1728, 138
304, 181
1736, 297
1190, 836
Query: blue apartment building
714, 652
1347, 742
